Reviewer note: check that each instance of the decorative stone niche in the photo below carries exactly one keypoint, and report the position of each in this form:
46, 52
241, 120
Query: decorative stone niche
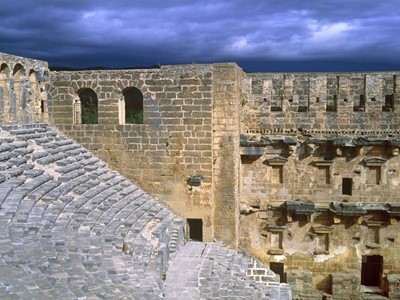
324, 170
277, 164
323, 238
373, 235
374, 170
276, 239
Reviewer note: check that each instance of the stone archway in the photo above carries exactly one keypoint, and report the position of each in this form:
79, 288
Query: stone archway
88, 106
133, 100
4, 92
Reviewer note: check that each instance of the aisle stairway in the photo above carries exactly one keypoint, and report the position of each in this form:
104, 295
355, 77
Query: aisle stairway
211, 271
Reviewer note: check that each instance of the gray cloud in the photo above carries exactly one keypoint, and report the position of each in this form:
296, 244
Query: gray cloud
255, 33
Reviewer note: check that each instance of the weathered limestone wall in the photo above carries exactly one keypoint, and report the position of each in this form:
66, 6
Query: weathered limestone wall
22, 89
320, 182
322, 247
306, 154
283, 103
173, 143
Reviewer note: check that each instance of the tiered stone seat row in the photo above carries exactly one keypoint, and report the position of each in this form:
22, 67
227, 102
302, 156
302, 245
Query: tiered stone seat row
65, 218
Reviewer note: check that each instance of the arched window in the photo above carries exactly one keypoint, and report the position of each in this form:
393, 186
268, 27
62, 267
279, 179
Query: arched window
89, 106
133, 99
4, 71
18, 95
19, 71
4, 92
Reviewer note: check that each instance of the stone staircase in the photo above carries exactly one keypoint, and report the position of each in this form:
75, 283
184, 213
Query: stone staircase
211, 271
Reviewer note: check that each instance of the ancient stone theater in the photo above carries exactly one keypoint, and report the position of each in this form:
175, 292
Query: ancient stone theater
198, 181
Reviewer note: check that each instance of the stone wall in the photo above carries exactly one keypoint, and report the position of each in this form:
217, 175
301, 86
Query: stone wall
161, 155
319, 180
320, 102
22, 89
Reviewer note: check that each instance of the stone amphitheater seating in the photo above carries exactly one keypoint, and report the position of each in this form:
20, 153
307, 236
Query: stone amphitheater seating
70, 228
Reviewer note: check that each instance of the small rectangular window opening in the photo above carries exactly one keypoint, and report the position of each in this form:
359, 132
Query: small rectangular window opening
331, 105
389, 103
347, 186
361, 106
195, 229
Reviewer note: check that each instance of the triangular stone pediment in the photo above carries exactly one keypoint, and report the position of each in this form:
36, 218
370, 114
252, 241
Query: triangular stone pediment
277, 161
374, 161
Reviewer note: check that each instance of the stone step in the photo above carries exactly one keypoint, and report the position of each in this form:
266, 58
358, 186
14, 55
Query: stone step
48, 159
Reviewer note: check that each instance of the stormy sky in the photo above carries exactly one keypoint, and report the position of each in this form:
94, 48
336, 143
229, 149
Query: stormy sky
260, 35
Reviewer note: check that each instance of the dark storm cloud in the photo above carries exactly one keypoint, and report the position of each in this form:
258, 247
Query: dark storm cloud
255, 33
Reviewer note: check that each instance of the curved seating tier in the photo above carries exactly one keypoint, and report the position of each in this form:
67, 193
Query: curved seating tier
71, 228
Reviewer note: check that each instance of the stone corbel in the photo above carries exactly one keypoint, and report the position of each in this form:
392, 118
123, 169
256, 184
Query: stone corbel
291, 149
289, 217
336, 219
360, 219
311, 149
360, 150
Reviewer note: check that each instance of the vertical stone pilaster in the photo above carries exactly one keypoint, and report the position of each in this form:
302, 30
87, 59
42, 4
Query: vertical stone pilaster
77, 111
226, 133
